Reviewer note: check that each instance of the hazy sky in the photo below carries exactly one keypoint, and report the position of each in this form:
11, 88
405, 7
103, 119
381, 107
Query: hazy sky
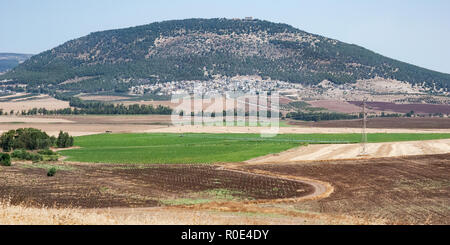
414, 31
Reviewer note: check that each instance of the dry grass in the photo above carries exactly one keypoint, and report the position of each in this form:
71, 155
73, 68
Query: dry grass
22, 215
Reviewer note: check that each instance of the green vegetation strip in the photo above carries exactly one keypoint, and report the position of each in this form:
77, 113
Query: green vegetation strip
48, 166
214, 195
164, 148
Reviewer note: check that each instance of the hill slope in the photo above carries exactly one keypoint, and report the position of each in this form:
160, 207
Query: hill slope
10, 60
198, 49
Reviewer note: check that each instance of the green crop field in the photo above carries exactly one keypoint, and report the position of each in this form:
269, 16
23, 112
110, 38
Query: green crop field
206, 148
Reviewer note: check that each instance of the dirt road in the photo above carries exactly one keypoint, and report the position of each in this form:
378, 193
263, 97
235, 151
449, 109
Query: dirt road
320, 189
285, 130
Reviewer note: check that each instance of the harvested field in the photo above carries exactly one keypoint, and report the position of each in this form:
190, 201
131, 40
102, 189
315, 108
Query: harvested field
405, 190
382, 123
352, 151
47, 102
18, 120
102, 186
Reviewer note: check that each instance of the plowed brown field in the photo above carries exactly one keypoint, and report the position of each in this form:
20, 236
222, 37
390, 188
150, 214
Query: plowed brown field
404, 190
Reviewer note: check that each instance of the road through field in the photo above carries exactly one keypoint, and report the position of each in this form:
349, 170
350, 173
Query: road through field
352, 151
285, 130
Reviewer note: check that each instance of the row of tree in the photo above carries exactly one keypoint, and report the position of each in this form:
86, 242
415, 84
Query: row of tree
106, 109
80, 107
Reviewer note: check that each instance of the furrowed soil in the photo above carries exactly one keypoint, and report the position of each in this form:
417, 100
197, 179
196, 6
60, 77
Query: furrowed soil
107, 186
403, 190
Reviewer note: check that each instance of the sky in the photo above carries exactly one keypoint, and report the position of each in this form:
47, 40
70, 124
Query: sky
414, 31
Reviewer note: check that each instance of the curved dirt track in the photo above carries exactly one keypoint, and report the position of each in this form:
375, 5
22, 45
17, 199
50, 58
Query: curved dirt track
321, 189
352, 151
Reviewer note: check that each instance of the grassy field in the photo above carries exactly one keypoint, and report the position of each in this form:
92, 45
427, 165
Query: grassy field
206, 148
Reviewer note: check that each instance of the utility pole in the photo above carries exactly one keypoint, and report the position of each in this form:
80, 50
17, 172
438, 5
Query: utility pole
364, 131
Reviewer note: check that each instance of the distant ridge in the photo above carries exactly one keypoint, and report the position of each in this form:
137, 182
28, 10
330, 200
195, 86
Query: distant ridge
199, 49
11, 60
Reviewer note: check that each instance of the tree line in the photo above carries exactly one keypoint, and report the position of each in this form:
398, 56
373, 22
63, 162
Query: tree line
80, 107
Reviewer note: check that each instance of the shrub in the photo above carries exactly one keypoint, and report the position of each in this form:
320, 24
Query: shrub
24, 155
47, 152
52, 158
36, 157
21, 154
5, 159
51, 172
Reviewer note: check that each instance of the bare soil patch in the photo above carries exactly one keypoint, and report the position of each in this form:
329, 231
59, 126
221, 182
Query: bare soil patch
103, 186
404, 190
47, 102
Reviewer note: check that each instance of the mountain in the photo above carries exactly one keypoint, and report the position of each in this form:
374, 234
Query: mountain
9, 60
199, 49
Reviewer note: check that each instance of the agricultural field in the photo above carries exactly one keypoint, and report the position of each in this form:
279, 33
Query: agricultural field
109, 186
20, 102
405, 108
403, 190
149, 172
188, 148
381, 123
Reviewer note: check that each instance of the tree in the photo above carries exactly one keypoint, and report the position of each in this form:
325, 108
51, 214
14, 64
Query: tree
7, 140
64, 140
25, 138
5, 159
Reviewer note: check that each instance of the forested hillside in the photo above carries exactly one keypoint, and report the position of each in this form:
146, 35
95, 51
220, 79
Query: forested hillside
198, 49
